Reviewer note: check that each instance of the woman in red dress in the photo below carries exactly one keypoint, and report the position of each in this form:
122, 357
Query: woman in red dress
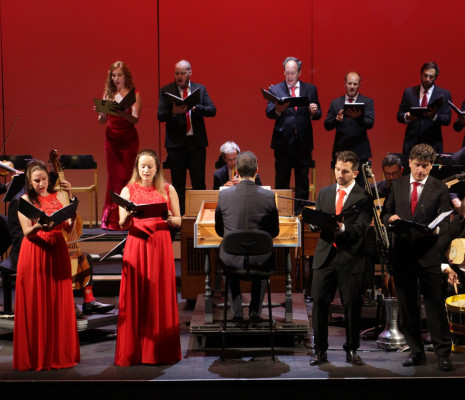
121, 138
45, 331
148, 320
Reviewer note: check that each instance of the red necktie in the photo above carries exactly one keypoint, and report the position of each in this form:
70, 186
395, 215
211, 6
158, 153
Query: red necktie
424, 100
414, 197
293, 95
339, 204
350, 100
340, 200
188, 118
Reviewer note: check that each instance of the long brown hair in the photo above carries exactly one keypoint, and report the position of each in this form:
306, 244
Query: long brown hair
32, 166
158, 179
110, 88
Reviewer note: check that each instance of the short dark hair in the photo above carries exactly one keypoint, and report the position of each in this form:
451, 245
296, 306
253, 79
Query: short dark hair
422, 152
246, 163
297, 61
348, 156
390, 160
430, 65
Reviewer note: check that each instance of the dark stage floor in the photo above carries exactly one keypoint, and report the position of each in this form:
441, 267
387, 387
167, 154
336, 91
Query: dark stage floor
247, 374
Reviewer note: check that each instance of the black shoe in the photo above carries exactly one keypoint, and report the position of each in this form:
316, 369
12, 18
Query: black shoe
353, 357
319, 358
415, 359
96, 307
444, 364
78, 311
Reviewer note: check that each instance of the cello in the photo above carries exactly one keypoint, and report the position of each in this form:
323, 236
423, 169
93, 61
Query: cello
80, 267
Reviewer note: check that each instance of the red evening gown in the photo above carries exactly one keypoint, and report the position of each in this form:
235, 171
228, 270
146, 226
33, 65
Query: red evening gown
148, 320
121, 147
45, 333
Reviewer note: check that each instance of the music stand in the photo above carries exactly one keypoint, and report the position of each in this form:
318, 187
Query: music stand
14, 187
303, 203
118, 249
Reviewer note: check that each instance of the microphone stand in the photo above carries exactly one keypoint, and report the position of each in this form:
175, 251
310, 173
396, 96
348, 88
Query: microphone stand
303, 203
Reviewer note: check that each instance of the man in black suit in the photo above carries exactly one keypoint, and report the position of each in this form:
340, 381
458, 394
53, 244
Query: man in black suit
292, 139
339, 259
416, 256
186, 137
227, 175
246, 206
352, 124
427, 128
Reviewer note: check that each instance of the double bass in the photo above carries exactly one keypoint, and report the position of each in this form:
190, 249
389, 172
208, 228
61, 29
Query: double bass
80, 267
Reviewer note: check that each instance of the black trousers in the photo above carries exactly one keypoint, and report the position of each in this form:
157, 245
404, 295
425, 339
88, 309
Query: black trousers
300, 161
325, 282
257, 293
409, 277
190, 157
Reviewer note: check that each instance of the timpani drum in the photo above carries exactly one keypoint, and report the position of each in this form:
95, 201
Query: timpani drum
455, 306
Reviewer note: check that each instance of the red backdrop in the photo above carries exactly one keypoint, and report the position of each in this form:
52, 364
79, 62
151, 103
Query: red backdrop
55, 56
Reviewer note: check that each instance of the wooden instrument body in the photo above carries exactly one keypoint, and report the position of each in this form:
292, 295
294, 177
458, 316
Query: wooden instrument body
80, 268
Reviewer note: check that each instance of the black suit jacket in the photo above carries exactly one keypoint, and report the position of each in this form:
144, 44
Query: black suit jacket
246, 206
293, 125
424, 130
176, 124
221, 176
351, 133
411, 244
350, 243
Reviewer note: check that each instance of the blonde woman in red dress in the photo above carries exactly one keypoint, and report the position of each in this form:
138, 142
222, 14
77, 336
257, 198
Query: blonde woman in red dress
45, 330
121, 138
148, 320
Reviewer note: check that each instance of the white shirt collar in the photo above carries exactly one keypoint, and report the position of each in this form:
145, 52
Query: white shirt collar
346, 189
430, 90
297, 86
422, 181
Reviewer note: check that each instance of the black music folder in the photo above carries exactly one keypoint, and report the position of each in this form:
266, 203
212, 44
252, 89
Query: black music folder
405, 224
354, 107
112, 107
293, 101
190, 101
418, 111
36, 214
456, 109
141, 210
320, 219
14, 187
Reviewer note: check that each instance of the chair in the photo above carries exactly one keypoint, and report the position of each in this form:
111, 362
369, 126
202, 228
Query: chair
312, 187
79, 162
19, 161
247, 243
